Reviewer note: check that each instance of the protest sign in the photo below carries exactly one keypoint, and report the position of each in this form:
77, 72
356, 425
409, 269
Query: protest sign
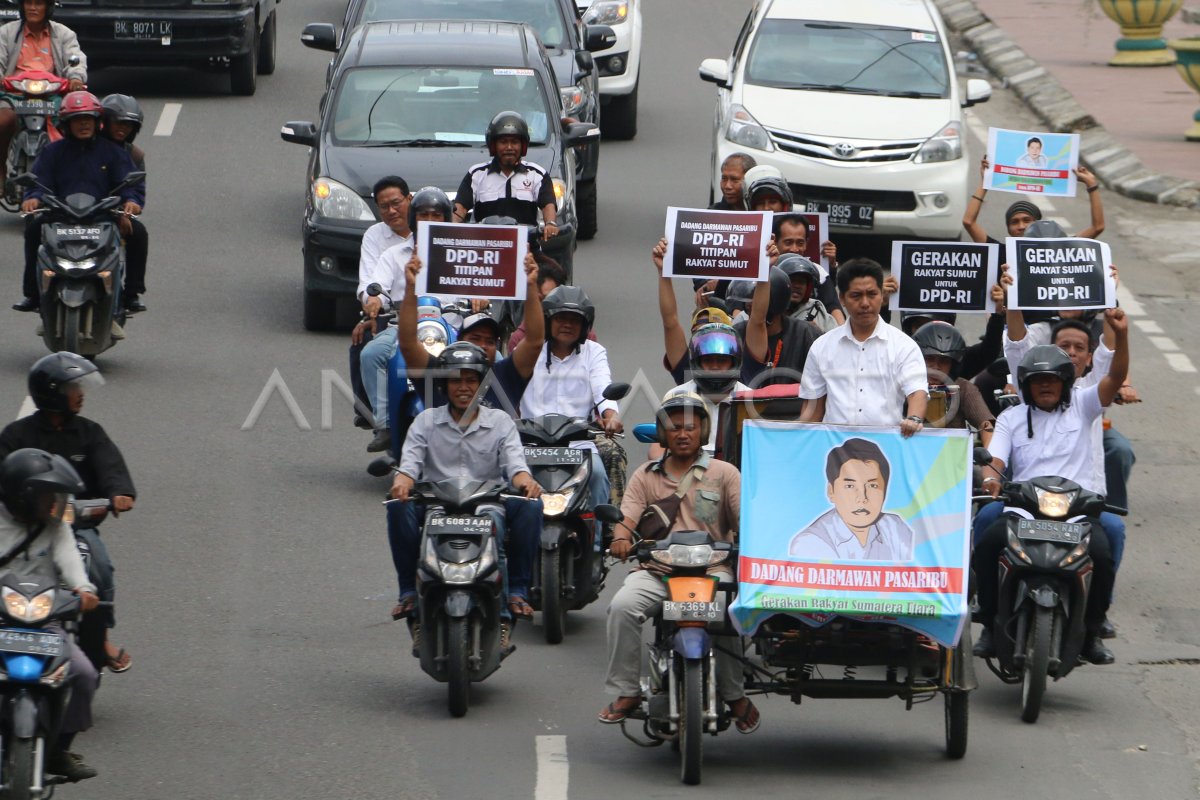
727, 245
816, 234
1059, 273
482, 261
907, 565
1032, 163
944, 276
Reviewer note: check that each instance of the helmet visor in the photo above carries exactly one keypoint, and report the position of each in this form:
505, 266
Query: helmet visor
715, 343
51, 506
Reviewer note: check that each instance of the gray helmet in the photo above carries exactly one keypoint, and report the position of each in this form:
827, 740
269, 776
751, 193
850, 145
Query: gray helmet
942, 339
768, 184
28, 473
795, 264
1046, 359
123, 108
739, 294
429, 197
570, 300
1045, 229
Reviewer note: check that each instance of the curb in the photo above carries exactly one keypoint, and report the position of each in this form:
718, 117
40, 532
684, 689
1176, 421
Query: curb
1113, 163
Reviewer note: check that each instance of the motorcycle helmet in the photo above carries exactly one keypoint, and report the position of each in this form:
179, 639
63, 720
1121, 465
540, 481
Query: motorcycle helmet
570, 300
739, 294
508, 123
912, 321
942, 339
459, 356
429, 198
79, 104
1045, 229
53, 377
781, 293
36, 486
794, 264
715, 339
1046, 359
123, 108
768, 184
689, 402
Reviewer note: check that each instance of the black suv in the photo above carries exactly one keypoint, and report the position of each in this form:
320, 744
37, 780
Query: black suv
414, 99
238, 35
568, 42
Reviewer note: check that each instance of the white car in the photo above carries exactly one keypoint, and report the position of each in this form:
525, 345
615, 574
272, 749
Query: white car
619, 65
857, 103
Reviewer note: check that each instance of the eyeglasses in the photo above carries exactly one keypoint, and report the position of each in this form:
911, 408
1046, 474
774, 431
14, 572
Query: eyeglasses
392, 206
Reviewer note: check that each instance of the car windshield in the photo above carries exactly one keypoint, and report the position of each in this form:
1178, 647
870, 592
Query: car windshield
544, 16
841, 57
434, 106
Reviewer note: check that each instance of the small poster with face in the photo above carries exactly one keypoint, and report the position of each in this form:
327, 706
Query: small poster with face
708, 244
944, 276
471, 260
1056, 274
1032, 163
803, 232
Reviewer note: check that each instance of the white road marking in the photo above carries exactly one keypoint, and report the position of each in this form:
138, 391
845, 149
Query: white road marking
553, 770
976, 126
166, 122
1179, 362
1148, 325
1164, 343
1130, 303
27, 408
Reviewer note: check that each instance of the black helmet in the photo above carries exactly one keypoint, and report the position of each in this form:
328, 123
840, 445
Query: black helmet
573, 300
1045, 229
462, 355
427, 198
508, 123
942, 339
912, 321
50, 4
1046, 359
51, 376
29, 473
768, 184
715, 339
781, 293
739, 294
676, 400
123, 108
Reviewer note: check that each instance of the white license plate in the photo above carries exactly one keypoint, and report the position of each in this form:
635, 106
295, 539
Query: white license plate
846, 215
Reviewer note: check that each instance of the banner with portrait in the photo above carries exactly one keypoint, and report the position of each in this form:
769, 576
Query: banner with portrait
1031, 162
855, 522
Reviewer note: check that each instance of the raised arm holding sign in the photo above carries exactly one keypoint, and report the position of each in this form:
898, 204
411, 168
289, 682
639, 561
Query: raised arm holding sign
1030, 162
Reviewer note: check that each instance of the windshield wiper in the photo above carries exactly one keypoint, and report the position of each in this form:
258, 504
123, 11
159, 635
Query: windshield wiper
911, 94
418, 143
825, 87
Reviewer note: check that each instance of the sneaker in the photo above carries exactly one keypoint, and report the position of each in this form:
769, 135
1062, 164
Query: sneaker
69, 765
118, 333
1096, 653
381, 442
984, 646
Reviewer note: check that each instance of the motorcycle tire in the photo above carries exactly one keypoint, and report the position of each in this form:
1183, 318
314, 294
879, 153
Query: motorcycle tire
458, 654
1037, 664
691, 721
957, 712
71, 330
18, 769
554, 609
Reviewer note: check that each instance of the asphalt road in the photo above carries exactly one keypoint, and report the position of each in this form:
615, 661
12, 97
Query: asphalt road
254, 576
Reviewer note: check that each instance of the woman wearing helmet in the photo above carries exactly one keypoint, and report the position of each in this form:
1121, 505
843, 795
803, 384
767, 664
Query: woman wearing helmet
123, 120
943, 348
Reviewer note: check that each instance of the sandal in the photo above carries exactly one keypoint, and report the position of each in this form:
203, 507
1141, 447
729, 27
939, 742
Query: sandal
405, 607
520, 607
619, 710
121, 662
748, 720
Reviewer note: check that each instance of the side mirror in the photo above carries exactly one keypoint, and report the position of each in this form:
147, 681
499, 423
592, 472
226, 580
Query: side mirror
304, 133
585, 61
978, 91
374, 290
614, 391
380, 467
131, 179
646, 432
26, 180
608, 513
73, 61
982, 457
998, 368
577, 133
598, 37
715, 70
319, 36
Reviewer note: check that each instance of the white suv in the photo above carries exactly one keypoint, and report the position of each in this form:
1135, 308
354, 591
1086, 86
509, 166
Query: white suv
618, 65
857, 104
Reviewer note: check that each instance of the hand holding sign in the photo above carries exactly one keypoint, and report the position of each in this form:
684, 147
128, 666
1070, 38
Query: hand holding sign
944, 276
1030, 162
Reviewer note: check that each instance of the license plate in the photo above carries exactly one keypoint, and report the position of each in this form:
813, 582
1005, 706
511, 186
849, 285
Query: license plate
34, 642
846, 215
458, 524
694, 611
1040, 530
34, 106
553, 456
143, 29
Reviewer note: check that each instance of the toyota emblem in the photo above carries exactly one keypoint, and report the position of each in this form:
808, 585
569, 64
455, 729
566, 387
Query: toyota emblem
843, 150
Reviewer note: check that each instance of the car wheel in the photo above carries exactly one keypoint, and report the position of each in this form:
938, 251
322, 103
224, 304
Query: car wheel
266, 47
320, 311
585, 208
619, 120
243, 71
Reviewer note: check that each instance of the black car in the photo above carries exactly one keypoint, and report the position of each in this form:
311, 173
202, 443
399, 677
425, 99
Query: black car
568, 42
413, 99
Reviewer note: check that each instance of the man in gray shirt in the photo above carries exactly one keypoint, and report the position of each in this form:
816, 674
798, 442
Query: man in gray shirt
464, 439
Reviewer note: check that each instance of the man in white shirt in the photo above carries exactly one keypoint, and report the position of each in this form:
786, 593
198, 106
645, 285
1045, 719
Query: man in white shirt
863, 371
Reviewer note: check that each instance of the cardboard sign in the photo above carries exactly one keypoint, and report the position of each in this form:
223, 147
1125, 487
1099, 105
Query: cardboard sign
1059, 273
817, 224
727, 245
484, 261
1032, 163
944, 276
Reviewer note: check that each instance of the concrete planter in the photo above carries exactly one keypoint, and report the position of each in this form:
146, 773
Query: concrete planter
1187, 53
1141, 43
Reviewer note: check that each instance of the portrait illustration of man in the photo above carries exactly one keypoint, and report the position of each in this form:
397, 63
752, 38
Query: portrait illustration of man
1032, 157
856, 528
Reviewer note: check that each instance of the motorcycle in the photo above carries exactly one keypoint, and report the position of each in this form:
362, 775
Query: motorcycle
35, 97
81, 264
569, 573
437, 329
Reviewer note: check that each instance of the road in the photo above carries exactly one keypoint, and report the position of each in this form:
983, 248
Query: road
254, 577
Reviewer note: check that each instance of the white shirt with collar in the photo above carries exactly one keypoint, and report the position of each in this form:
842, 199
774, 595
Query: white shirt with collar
829, 537
378, 241
570, 385
864, 383
1061, 444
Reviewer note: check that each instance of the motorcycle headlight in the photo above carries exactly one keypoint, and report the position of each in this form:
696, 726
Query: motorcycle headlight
689, 555
18, 606
945, 145
35, 87
68, 265
1054, 504
744, 130
432, 336
607, 12
573, 98
337, 201
460, 573
554, 504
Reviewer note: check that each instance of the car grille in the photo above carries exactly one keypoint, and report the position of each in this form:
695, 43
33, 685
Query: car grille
881, 201
845, 151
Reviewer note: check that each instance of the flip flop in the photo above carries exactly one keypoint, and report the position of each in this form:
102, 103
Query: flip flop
748, 721
121, 662
612, 715
520, 607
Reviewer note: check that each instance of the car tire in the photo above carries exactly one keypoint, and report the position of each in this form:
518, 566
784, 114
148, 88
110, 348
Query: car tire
243, 71
619, 120
585, 209
320, 311
266, 46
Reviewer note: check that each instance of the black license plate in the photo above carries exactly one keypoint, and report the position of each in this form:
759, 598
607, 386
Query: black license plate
34, 106
34, 642
461, 525
553, 456
846, 215
143, 29
1040, 530
693, 611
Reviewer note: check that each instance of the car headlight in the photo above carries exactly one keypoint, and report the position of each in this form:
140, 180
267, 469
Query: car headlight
744, 130
1054, 504
554, 504
334, 200
607, 12
23, 608
70, 266
689, 555
460, 573
945, 145
573, 99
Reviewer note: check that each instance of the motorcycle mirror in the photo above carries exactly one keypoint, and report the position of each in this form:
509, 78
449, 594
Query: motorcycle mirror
616, 391
374, 290
73, 61
608, 513
131, 179
26, 180
998, 368
646, 432
380, 467
982, 457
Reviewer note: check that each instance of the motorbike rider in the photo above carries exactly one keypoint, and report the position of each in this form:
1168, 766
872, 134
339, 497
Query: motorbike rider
711, 503
733, 171
35, 489
1049, 433
805, 277
465, 439
777, 344
82, 162
489, 188
35, 42
58, 384
943, 347
123, 118
1021, 214
791, 236
550, 276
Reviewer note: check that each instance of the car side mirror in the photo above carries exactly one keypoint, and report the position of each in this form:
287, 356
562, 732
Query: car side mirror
616, 391
598, 37
606, 512
978, 91
577, 133
715, 70
299, 133
319, 36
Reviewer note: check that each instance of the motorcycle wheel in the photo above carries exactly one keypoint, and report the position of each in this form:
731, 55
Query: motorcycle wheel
458, 651
554, 610
18, 768
1037, 664
71, 330
957, 712
691, 721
